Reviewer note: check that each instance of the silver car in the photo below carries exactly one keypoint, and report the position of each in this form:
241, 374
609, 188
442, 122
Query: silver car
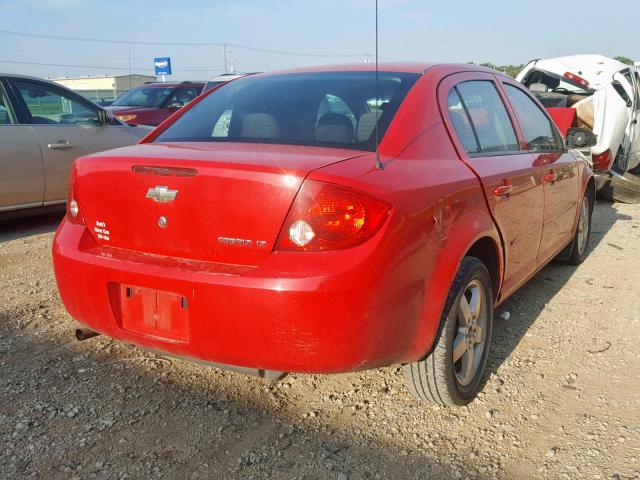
43, 128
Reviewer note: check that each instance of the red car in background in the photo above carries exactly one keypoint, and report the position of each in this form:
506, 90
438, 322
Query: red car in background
153, 103
259, 228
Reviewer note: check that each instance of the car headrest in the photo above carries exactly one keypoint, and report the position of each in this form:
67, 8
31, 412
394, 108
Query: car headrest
260, 125
460, 120
538, 88
334, 127
366, 125
479, 116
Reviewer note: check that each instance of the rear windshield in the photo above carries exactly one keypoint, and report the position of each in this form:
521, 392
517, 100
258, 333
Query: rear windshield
151, 97
554, 82
332, 109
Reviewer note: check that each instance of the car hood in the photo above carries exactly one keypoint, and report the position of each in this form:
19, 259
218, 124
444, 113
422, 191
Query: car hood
139, 131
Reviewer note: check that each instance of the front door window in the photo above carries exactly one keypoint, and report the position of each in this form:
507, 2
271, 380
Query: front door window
48, 105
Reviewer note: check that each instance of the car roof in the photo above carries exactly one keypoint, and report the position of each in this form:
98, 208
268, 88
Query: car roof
25, 77
170, 84
403, 67
394, 67
229, 76
40, 79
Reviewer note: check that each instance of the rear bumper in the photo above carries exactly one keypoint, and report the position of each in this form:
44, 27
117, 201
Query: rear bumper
319, 312
601, 179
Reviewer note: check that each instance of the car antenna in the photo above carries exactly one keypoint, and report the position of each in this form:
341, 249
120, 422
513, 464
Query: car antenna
379, 165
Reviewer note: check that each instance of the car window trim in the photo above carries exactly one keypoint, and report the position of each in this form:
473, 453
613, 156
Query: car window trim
56, 88
12, 113
473, 127
554, 128
498, 154
21, 111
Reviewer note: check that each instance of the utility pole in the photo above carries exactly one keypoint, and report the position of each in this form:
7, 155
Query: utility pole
226, 68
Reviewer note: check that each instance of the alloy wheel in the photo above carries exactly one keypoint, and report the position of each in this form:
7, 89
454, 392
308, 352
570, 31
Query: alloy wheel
583, 226
469, 342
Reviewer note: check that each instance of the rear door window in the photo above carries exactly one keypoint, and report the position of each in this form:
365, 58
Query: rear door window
537, 128
461, 123
488, 117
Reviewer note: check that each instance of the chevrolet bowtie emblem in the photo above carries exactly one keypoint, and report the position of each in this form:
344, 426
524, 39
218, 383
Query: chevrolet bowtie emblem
162, 194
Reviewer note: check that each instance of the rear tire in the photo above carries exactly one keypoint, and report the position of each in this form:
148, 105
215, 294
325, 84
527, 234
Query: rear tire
623, 190
580, 240
452, 373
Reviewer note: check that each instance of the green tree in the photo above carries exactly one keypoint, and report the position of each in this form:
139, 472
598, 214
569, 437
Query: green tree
624, 59
511, 70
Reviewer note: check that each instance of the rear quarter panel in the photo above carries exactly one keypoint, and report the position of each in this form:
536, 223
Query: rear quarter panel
439, 211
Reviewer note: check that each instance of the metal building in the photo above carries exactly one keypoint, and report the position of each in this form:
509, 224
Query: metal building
108, 87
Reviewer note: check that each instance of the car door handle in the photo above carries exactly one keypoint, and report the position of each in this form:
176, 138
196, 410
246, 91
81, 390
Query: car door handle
60, 145
551, 177
503, 190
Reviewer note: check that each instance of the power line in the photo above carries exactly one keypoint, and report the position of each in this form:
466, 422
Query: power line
105, 67
181, 44
59, 53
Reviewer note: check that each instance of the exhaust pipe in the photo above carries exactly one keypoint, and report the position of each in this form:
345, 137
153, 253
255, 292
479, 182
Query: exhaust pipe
84, 333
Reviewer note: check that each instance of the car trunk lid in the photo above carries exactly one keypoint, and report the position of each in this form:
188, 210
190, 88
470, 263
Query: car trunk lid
218, 202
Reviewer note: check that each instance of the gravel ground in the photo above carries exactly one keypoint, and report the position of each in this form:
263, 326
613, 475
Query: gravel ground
561, 400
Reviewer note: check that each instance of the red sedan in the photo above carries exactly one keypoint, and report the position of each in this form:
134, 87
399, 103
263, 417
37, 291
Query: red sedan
258, 229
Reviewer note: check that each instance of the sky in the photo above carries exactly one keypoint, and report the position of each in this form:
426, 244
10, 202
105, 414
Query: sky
303, 32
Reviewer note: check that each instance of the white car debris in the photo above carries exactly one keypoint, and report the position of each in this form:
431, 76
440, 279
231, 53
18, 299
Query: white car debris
602, 95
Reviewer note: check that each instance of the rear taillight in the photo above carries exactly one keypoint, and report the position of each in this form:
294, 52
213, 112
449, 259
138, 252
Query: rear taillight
601, 161
576, 79
326, 216
74, 214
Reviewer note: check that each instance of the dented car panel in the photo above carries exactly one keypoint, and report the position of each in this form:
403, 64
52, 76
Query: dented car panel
605, 94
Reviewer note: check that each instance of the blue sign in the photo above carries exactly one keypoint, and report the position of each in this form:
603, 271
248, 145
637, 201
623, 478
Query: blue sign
162, 65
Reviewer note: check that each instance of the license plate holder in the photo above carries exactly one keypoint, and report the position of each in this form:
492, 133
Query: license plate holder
155, 313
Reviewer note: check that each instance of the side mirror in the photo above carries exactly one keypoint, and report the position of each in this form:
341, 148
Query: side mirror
105, 117
581, 138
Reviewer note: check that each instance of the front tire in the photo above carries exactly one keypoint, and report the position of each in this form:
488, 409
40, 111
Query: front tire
452, 373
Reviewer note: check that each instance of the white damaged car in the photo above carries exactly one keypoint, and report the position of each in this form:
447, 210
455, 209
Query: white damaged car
601, 95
